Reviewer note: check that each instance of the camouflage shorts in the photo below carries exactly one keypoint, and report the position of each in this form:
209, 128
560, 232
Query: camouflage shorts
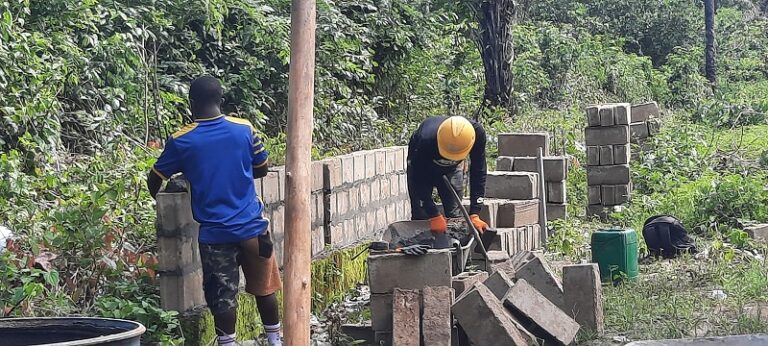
221, 276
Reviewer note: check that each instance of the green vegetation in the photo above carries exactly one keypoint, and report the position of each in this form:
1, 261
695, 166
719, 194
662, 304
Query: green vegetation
91, 88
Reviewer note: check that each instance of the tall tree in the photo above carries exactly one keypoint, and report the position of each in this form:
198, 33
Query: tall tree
494, 39
709, 50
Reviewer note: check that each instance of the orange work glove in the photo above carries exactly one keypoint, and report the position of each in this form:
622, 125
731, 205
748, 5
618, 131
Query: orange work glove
438, 224
480, 225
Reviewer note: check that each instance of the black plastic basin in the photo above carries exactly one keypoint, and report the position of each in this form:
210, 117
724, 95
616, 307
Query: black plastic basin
69, 331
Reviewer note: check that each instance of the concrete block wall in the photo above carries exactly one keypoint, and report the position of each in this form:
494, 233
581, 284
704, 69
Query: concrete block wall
354, 198
612, 127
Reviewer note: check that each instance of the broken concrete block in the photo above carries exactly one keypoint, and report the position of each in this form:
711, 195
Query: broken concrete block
606, 115
593, 115
540, 276
385, 270
594, 194
523, 144
505, 163
499, 283
607, 135
555, 167
527, 304
639, 132
644, 112
517, 213
512, 185
556, 192
485, 320
608, 194
608, 175
557, 211
621, 114
406, 317
593, 155
757, 232
606, 155
621, 154
464, 281
381, 312
584, 296
436, 322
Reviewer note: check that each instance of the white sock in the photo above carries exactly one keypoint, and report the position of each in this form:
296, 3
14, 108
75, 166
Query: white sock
273, 335
227, 340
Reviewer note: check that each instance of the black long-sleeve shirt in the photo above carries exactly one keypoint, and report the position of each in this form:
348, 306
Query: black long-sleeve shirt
428, 166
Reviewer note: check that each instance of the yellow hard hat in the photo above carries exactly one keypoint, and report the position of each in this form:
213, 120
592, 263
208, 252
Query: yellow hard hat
455, 138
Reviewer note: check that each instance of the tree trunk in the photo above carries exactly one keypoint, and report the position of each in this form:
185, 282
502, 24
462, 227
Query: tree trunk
709, 50
495, 44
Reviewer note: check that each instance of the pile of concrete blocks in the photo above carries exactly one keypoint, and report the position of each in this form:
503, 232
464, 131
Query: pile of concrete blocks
518, 152
608, 153
644, 122
523, 303
401, 287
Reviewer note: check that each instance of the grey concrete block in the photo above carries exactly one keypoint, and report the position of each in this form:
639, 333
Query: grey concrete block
639, 132
516, 213
622, 193
621, 154
584, 296
505, 163
593, 115
359, 164
370, 164
317, 175
607, 135
436, 322
555, 167
593, 155
556, 192
271, 188
406, 317
757, 232
644, 112
557, 211
383, 338
540, 276
606, 155
622, 114
380, 157
347, 168
381, 312
523, 144
512, 185
608, 175
608, 195
526, 303
332, 173
594, 194
499, 283
465, 280
385, 271
606, 115
485, 320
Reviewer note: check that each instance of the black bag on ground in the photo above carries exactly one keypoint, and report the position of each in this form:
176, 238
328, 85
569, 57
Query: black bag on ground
665, 236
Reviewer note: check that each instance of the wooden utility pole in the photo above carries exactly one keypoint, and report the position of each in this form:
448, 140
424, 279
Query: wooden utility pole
709, 48
298, 227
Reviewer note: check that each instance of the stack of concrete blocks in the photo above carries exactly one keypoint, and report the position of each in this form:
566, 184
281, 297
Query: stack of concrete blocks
608, 153
365, 192
517, 153
525, 304
398, 282
644, 122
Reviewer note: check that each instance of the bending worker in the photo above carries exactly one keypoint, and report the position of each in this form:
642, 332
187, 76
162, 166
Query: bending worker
438, 148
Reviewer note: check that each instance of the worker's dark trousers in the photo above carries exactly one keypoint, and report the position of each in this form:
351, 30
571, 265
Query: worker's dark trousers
450, 207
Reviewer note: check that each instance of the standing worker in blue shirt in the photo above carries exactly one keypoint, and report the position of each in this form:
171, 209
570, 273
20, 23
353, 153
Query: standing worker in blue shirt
438, 148
220, 156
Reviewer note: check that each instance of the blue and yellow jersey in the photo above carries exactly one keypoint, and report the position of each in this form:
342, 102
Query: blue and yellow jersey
217, 157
